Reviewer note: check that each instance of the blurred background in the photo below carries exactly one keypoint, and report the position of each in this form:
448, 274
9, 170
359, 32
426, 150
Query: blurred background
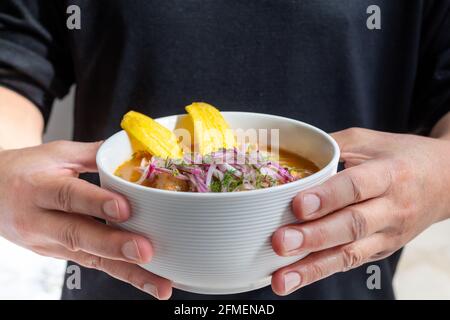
423, 273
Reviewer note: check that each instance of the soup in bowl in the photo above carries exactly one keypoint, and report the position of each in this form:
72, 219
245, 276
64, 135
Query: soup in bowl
214, 240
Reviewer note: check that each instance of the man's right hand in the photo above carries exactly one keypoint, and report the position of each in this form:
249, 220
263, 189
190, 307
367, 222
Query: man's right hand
46, 208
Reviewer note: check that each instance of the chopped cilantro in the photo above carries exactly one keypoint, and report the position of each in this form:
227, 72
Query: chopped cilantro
216, 185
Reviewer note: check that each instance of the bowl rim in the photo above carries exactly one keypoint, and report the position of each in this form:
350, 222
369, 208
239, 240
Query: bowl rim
332, 163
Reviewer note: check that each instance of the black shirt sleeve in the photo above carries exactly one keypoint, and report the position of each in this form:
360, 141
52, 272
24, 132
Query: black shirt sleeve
34, 54
432, 90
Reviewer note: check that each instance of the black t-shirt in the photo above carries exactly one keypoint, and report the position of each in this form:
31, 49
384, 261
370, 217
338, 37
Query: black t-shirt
316, 61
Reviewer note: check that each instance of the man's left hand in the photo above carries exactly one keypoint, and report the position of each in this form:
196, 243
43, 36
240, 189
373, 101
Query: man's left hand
394, 187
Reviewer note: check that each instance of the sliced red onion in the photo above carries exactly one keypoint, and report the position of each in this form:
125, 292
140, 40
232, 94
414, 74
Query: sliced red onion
181, 177
164, 170
191, 170
218, 174
227, 167
201, 171
282, 171
143, 176
151, 171
209, 175
271, 173
201, 187
193, 181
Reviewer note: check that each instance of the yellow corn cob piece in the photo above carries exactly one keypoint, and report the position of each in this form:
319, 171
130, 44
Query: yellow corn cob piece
148, 135
211, 131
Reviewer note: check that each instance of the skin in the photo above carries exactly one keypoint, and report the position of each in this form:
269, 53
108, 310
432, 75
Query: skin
44, 207
394, 187
20, 119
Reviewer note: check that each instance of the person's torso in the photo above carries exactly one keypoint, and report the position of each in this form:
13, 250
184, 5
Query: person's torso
315, 61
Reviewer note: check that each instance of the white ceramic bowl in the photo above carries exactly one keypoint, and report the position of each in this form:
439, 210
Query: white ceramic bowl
218, 243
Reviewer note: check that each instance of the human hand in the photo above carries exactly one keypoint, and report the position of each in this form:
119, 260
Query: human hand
394, 187
45, 207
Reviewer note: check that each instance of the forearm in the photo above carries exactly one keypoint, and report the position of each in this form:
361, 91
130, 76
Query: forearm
21, 123
442, 129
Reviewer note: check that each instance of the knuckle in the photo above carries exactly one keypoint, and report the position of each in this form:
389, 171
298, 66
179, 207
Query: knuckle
395, 241
353, 132
391, 245
408, 207
400, 170
354, 183
401, 222
404, 214
315, 271
69, 236
352, 257
93, 262
358, 225
63, 198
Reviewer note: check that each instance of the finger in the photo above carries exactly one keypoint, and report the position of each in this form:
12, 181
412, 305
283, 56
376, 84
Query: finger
77, 232
79, 156
344, 226
358, 145
352, 185
140, 278
352, 139
75, 195
328, 262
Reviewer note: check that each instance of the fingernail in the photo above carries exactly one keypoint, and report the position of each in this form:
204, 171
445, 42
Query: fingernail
131, 251
292, 239
151, 290
291, 281
111, 209
310, 204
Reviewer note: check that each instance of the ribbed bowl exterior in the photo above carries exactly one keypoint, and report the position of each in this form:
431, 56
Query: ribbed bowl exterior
212, 243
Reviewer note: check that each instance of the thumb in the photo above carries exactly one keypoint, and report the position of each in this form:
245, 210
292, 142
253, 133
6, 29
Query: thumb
355, 144
353, 139
79, 156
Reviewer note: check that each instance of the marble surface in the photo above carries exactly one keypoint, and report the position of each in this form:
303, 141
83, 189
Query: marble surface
424, 270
